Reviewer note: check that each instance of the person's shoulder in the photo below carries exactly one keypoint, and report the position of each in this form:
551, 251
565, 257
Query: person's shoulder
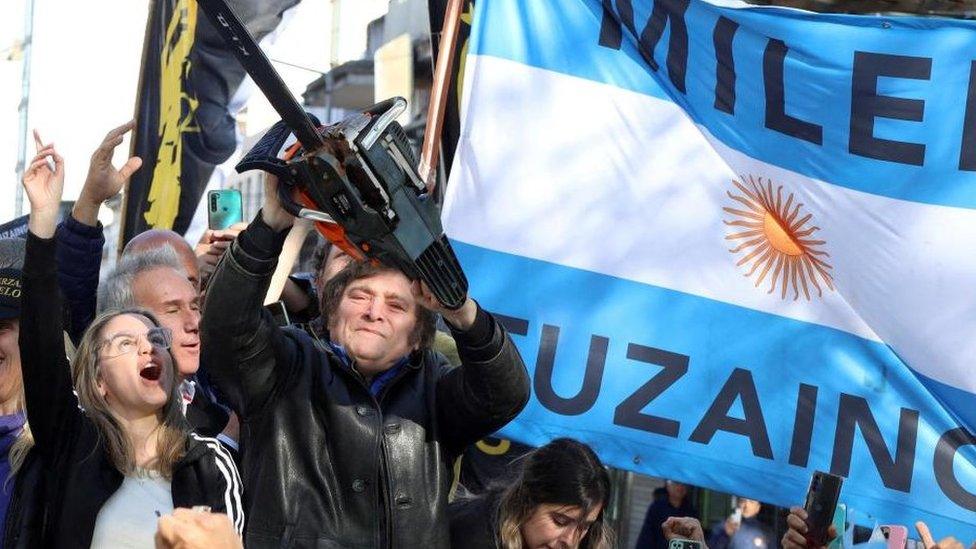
471, 522
659, 504
299, 332
306, 341
204, 449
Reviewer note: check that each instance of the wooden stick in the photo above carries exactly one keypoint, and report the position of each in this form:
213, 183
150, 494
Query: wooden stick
438, 94
287, 258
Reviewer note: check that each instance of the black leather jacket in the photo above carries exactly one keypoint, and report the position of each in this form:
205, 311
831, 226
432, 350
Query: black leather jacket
325, 464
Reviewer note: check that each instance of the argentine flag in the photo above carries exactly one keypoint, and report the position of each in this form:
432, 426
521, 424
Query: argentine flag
735, 245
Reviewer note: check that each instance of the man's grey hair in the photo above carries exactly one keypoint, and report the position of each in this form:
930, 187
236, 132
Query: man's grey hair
116, 291
12, 253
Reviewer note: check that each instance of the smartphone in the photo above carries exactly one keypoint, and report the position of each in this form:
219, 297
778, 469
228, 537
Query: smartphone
279, 313
840, 525
678, 543
821, 502
896, 534
224, 208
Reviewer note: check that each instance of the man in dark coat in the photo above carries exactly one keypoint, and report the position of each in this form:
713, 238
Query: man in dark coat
676, 504
348, 439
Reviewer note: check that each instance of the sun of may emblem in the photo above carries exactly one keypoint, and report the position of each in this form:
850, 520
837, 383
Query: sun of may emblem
776, 236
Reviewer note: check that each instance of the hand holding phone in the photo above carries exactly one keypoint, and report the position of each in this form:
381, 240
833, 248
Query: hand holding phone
224, 208
821, 502
683, 533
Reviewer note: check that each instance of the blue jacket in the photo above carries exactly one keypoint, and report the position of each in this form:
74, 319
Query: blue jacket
79, 257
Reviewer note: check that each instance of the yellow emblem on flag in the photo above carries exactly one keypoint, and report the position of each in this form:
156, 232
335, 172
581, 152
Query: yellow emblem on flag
776, 238
176, 110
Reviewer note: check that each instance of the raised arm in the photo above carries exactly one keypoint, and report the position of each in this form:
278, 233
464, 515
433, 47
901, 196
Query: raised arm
50, 402
80, 237
490, 387
244, 350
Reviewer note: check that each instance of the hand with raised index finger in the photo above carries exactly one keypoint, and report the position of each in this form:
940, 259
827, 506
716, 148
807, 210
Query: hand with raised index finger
44, 187
104, 181
928, 541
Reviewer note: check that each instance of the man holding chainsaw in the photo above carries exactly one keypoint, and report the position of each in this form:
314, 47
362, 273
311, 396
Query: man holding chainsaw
348, 441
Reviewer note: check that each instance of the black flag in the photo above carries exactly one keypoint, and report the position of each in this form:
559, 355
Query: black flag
184, 127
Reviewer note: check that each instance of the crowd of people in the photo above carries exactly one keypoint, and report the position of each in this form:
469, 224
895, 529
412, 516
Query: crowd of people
164, 405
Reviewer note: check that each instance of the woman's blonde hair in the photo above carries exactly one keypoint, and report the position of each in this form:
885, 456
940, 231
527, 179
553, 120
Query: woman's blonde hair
21, 446
563, 472
86, 374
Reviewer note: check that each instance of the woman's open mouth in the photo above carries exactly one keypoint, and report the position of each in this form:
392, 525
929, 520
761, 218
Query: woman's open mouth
151, 372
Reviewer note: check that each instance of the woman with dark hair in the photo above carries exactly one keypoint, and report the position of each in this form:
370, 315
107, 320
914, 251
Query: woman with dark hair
117, 452
558, 500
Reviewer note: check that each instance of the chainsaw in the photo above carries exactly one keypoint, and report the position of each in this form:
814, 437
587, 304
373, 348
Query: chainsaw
357, 180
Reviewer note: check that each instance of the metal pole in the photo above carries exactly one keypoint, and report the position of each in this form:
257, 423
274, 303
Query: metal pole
438, 94
334, 35
23, 108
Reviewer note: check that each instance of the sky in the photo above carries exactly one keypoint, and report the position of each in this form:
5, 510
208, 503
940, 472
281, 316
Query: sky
85, 69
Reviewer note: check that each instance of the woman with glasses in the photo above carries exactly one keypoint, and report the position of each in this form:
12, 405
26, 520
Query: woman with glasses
116, 449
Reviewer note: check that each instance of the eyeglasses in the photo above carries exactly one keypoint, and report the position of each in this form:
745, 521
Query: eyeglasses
126, 343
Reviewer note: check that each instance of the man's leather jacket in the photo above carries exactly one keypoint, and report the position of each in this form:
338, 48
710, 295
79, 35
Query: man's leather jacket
326, 464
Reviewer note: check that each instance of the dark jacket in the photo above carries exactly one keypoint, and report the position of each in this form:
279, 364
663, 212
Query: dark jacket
474, 521
651, 536
79, 254
326, 464
78, 476
25, 515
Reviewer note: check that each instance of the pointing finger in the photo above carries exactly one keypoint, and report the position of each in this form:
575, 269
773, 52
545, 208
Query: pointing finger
117, 133
925, 534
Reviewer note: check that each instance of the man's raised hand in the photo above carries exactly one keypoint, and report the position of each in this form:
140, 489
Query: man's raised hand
272, 212
104, 181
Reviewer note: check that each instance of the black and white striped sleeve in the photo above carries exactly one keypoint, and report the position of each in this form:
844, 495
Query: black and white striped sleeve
232, 503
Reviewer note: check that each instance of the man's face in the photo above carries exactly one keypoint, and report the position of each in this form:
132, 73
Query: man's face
192, 269
171, 297
374, 321
750, 507
10, 375
676, 490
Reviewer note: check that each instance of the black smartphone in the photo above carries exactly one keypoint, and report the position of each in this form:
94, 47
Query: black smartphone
679, 543
821, 502
224, 208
